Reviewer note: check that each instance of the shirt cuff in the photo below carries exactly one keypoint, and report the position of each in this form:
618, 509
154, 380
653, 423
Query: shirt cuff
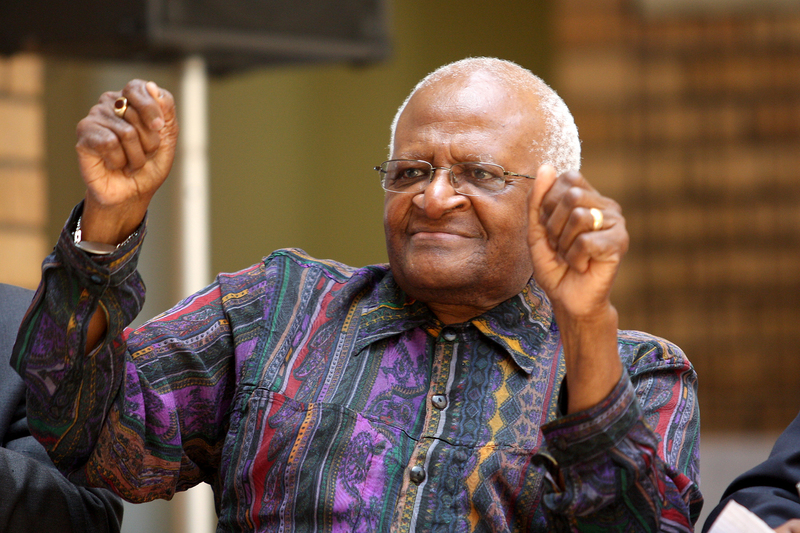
98, 271
580, 436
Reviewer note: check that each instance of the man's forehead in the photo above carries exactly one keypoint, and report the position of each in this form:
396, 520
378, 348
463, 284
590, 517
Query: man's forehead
478, 98
466, 115
472, 90
458, 152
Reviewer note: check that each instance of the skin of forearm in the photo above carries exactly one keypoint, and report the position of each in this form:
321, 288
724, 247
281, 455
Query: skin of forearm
592, 357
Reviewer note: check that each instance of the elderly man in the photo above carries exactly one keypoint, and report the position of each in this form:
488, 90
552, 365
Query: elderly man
476, 383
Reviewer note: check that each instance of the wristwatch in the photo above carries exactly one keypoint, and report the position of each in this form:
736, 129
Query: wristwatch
97, 248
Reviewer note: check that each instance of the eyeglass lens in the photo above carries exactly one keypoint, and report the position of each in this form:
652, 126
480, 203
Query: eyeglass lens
467, 178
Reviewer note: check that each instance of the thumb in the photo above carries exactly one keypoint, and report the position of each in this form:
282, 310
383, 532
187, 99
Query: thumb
167, 105
546, 267
545, 178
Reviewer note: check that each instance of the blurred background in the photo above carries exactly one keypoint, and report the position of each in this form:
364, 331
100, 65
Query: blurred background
690, 118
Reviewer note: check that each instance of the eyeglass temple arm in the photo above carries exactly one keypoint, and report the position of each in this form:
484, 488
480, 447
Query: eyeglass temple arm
509, 173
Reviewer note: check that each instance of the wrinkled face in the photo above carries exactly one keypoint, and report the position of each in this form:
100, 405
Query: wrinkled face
463, 250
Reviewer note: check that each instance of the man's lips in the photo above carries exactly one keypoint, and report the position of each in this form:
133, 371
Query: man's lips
440, 233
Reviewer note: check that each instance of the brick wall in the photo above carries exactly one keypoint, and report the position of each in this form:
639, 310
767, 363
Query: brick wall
693, 124
23, 188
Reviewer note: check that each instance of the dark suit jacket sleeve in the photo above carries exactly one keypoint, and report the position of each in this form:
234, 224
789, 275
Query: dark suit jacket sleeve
34, 496
769, 489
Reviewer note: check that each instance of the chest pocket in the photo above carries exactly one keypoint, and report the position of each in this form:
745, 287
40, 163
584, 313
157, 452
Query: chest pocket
318, 466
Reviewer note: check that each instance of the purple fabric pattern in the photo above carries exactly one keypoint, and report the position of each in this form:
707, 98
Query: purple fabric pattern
314, 396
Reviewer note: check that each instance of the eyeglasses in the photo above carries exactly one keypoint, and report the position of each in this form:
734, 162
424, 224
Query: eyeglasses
469, 179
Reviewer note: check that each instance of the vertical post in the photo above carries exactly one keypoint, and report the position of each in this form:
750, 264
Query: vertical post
197, 509
195, 256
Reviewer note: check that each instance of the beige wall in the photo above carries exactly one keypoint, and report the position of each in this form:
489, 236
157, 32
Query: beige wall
23, 191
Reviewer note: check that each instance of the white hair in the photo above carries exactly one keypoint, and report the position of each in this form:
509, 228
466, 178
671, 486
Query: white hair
561, 145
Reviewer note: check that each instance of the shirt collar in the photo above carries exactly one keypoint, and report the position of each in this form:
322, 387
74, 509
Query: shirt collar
387, 311
520, 324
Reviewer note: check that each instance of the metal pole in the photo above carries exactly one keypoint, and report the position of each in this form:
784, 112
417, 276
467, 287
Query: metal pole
198, 514
193, 193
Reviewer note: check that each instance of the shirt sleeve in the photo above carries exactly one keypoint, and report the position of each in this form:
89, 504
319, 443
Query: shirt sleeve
36, 497
143, 413
629, 463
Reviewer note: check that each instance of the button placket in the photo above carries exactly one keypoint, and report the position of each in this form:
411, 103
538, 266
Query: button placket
417, 473
439, 401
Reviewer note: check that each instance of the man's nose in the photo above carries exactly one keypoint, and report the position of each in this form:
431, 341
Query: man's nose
439, 197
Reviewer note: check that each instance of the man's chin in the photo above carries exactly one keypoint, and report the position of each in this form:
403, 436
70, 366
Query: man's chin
431, 280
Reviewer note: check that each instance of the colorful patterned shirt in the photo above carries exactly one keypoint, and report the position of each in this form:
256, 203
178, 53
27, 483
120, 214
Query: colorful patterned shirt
314, 396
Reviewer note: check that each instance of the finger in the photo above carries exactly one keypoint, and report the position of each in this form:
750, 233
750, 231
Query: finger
121, 142
545, 178
580, 220
792, 526
133, 139
165, 100
100, 141
144, 97
607, 246
563, 183
131, 134
142, 107
537, 237
569, 211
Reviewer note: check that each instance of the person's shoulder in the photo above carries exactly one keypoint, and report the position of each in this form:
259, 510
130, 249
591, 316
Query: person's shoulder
14, 301
13, 293
644, 349
295, 258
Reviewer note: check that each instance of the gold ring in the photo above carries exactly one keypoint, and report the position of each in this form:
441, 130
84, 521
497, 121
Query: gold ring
120, 106
597, 218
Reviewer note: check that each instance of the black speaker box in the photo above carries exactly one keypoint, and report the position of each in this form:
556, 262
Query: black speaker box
230, 34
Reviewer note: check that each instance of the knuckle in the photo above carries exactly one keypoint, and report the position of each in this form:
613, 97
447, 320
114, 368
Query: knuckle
84, 125
103, 141
133, 85
128, 133
151, 148
577, 216
574, 195
99, 111
573, 177
108, 95
583, 241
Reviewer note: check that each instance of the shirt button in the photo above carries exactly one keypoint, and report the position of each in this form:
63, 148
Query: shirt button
439, 401
449, 336
417, 474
